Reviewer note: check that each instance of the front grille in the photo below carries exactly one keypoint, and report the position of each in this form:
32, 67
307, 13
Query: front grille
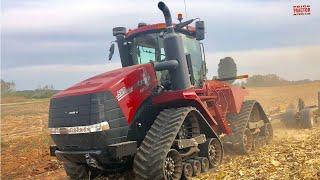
60, 108
86, 110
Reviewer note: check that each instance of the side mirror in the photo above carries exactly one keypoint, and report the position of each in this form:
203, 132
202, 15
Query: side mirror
111, 51
200, 30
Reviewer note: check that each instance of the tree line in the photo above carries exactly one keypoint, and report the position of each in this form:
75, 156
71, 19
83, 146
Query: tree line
9, 89
271, 80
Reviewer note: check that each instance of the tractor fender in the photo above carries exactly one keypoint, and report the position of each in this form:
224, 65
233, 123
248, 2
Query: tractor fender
142, 121
175, 99
207, 123
147, 111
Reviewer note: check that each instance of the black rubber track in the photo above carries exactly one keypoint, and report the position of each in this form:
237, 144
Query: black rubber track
238, 124
149, 160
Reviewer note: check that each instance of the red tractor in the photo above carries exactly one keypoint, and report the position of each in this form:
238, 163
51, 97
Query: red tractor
157, 116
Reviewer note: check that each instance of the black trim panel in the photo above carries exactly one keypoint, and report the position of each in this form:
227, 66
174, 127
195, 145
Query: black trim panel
86, 110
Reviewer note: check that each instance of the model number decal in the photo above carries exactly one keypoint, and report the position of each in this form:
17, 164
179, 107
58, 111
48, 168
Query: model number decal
123, 92
145, 81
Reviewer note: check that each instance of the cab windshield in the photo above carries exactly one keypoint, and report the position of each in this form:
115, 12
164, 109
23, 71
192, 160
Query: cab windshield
149, 48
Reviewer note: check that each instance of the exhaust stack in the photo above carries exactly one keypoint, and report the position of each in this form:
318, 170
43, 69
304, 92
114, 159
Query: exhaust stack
174, 51
167, 15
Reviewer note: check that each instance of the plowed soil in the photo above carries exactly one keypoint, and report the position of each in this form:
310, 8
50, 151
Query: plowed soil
294, 153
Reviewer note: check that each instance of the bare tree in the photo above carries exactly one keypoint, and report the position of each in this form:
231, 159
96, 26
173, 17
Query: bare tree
7, 87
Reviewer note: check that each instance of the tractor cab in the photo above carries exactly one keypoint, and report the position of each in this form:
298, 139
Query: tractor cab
145, 44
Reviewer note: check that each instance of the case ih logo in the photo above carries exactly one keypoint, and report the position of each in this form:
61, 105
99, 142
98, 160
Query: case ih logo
302, 10
144, 82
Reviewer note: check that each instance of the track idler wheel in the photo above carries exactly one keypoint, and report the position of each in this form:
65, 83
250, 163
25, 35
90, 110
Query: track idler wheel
204, 163
212, 150
268, 132
187, 171
173, 165
247, 142
196, 166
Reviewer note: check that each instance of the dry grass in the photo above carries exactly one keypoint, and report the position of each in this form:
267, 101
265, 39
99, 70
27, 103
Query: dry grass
273, 97
293, 154
12, 99
25, 141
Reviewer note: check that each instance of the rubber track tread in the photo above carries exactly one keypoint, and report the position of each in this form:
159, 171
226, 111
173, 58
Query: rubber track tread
148, 162
238, 122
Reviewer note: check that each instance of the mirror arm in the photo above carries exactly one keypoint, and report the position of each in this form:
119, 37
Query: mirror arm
111, 50
184, 24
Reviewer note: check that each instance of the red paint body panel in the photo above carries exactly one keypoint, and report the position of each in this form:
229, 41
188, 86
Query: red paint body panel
214, 100
137, 82
227, 96
180, 98
224, 99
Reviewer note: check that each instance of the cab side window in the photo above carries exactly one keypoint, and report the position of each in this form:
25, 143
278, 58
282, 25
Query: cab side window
192, 47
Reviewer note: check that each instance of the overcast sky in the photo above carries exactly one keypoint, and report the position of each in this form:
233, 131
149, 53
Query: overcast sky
62, 42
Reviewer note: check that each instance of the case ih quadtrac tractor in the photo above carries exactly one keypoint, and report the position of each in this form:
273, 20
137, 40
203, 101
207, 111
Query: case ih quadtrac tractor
157, 116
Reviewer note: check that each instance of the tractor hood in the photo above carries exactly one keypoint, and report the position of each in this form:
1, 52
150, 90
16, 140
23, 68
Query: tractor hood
111, 81
129, 86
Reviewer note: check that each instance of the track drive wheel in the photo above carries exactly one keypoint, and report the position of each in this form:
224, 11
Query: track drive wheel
245, 145
268, 132
212, 149
173, 165
306, 118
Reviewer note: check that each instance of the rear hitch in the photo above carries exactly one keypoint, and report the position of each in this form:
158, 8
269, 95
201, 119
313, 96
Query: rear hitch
93, 162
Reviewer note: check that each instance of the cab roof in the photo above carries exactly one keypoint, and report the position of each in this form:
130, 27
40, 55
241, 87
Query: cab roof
157, 28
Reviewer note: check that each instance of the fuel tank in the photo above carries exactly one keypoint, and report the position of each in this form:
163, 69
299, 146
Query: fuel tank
98, 111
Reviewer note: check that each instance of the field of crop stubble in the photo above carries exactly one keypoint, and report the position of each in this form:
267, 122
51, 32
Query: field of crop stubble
294, 154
